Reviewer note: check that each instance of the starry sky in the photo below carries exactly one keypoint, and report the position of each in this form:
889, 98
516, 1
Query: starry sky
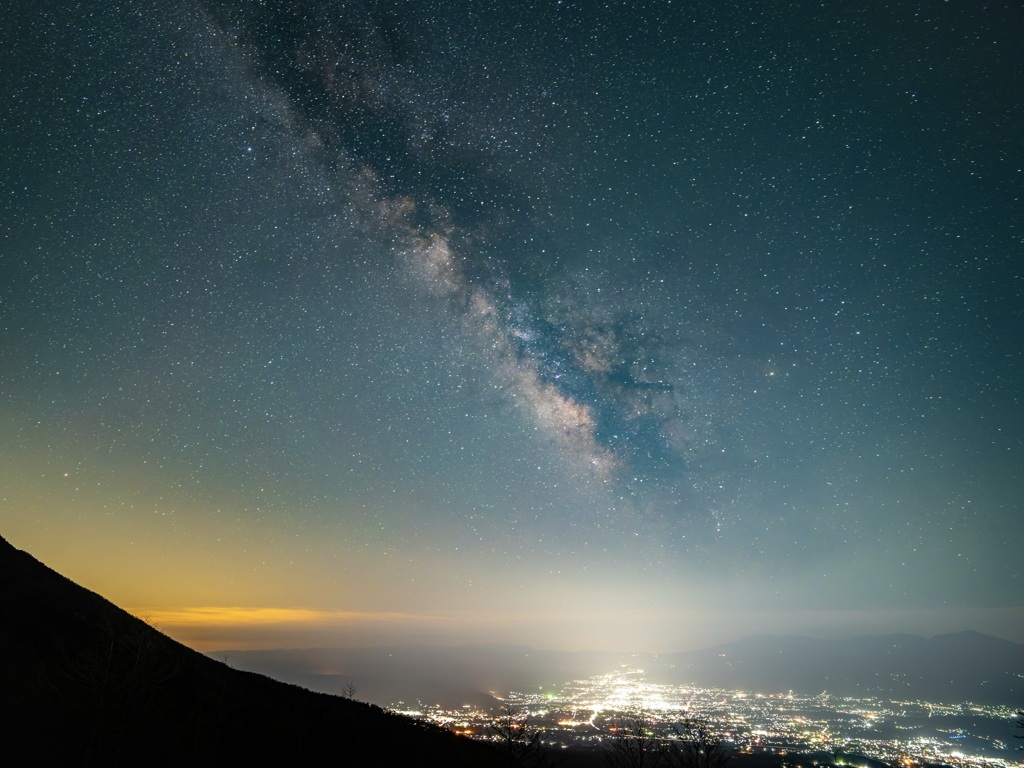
631, 326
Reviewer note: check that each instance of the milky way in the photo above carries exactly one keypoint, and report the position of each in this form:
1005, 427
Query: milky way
355, 307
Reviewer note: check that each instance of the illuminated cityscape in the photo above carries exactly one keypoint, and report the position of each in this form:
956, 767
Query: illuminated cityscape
908, 733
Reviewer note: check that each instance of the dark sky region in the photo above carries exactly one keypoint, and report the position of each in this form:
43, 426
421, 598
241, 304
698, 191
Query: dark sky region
624, 325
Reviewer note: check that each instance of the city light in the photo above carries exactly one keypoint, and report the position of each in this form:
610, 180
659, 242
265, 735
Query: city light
904, 733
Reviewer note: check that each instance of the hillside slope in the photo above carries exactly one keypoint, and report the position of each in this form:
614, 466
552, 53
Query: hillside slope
85, 683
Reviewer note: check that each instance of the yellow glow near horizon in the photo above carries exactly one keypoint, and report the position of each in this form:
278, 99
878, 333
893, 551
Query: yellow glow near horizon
209, 628
235, 616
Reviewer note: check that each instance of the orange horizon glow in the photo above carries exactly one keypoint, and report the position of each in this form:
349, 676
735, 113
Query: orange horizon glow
246, 616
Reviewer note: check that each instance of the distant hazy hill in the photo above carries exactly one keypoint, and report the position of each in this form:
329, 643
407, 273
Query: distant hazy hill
966, 666
84, 683
448, 675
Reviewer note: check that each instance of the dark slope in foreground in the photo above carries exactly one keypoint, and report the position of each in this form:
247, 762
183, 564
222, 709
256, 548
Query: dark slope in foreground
83, 682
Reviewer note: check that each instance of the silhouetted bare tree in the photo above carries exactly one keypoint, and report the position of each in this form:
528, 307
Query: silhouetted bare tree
517, 738
694, 744
114, 682
633, 744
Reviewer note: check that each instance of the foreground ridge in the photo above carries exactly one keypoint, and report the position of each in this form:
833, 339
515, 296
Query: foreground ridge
84, 682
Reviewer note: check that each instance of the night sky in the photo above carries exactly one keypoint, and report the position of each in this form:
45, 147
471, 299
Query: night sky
626, 325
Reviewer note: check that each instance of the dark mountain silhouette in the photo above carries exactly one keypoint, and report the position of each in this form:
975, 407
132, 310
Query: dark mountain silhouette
84, 683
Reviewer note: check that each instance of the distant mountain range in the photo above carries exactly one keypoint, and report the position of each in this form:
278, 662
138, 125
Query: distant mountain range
966, 666
84, 683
